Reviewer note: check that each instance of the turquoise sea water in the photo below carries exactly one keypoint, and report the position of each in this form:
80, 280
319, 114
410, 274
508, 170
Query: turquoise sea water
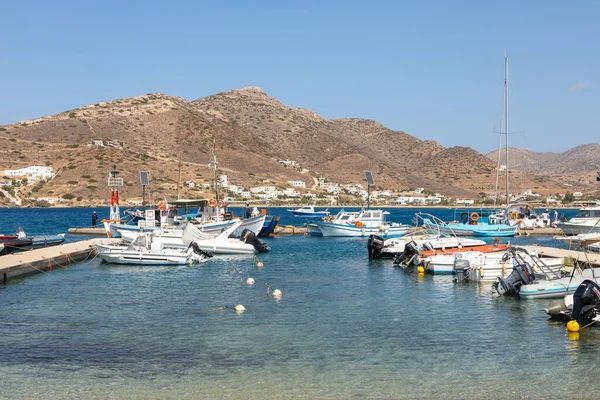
345, 327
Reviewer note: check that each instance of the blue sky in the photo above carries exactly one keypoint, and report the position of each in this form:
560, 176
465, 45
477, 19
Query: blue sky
433, 69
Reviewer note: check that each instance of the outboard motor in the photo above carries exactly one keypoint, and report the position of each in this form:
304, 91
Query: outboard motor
250, 237
409, 257
198, 250
375, 246
462, 269
522, 274
586, 302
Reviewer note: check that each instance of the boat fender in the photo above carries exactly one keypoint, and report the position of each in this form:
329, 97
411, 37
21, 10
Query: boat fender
380, 228
420, 269
573, 326
503, 268
481, 274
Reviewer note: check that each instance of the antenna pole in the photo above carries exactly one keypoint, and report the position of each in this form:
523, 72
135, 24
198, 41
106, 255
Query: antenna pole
179, 175
215, 165
506, 121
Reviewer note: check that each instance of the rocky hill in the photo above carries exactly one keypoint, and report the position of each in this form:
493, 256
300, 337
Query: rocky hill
251, 132
577, 166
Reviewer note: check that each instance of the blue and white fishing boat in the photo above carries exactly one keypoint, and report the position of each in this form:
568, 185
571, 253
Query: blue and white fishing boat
473, 224
309, 212
342, 217
367, 222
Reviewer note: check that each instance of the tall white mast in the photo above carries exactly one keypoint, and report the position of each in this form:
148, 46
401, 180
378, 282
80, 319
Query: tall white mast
506, 121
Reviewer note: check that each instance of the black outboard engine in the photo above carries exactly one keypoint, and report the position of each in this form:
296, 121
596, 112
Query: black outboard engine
409, 257
462, 269
522, 274
586, 302
250, 237
198, 250
375, 246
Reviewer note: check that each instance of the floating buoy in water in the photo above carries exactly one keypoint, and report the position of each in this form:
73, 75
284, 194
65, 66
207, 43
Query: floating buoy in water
573, 326
239, 308
275, 293
250, 281
258, 263
420, 269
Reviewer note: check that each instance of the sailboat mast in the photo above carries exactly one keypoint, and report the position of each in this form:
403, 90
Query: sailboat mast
506, 121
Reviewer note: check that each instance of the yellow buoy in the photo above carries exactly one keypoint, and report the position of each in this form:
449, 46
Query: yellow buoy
420, 269
239, 308
573, 326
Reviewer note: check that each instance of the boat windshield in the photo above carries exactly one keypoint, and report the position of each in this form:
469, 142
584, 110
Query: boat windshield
588, 214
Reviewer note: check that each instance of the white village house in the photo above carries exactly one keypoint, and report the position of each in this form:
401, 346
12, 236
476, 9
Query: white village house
31, 173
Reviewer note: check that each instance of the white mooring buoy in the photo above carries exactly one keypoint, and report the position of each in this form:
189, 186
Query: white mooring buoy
239, 308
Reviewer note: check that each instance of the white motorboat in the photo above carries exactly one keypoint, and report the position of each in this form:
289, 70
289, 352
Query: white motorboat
223, 243
367, 222
582, 306
485, 267
585, 241
586, 221
214, 244
146, 251
309, 212
389, 248
557, 288
538, 280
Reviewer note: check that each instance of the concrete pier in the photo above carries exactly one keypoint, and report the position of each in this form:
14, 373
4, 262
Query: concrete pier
45, 259
540, 232
290, 230
581, 256
87, 231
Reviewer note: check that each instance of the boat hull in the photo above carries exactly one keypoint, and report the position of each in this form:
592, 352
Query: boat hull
571, 229
339, 230
254, 224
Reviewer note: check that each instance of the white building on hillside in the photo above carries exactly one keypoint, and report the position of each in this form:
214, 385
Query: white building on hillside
300, 184
32, 173
224, 181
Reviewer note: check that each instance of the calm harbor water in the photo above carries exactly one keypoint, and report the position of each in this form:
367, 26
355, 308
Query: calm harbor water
345, 327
